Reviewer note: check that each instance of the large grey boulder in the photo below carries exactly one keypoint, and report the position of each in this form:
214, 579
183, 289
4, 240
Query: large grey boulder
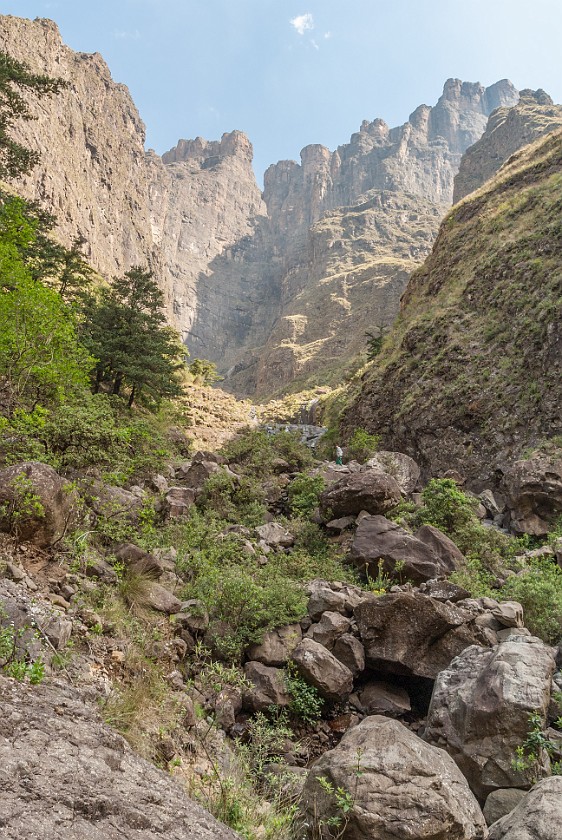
36, 504
401, 467
277, 645
333, 597
427, 554
63, 773
500, 802
372, 491
480, 709
538, 816
327, 631
321, 669
413, 634
399, 788
534, 493
268, 687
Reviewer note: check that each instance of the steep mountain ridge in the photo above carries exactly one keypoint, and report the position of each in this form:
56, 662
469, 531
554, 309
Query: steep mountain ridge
470, 376
275, 289
508, 130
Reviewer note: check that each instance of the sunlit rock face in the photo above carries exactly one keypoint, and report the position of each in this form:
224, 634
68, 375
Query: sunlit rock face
274, 287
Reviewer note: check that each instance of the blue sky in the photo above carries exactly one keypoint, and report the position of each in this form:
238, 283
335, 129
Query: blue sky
292, 73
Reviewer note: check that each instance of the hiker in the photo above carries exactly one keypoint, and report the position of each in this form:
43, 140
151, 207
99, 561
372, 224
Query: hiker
339, 455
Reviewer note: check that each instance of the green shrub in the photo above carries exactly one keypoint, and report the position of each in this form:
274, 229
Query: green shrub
362, 445
446, 506
304, 493
306, 703
539, 589
237, 500
255, 451
242, 605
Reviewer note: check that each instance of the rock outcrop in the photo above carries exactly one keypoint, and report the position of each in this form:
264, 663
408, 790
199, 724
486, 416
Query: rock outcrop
92, 174
64, 773
508, 130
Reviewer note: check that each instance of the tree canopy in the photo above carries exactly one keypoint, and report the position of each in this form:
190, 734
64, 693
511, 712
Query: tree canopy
124, 328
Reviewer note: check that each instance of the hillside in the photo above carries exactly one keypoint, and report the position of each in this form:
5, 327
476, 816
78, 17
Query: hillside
470, 376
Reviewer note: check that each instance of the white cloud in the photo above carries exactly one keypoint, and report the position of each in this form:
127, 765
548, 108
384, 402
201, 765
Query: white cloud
302, 23
121, 35
327, 35
314, 44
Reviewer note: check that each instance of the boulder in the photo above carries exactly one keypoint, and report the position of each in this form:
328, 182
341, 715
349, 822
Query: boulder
349, 650
161, 599
138, 560
269, 687
534, 493
113, 503
36, 504
480, 709
178, 501
538, 816
274, 535
192, 616
444, 590
276, 646
500, 802
323, 598
398, 787
509, 614
413, 634
372, 491
340, 525
321, 669
331, 626
198, 473
382, 698
421, 557
401, 467
64, 773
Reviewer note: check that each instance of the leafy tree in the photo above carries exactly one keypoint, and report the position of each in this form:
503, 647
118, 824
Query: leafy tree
125, 330
15, 79
205, 371
40, 358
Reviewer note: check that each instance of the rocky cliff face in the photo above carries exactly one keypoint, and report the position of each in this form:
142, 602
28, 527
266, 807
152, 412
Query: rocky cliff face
470, 377
508, 130
274, 288
92, 173
343, 231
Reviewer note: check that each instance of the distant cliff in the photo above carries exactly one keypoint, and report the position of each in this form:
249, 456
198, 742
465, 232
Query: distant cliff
279, 288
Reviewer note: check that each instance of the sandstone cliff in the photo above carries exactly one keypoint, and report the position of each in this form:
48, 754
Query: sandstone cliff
508, 130
279, 288
470, 376
343, 231
92, 173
